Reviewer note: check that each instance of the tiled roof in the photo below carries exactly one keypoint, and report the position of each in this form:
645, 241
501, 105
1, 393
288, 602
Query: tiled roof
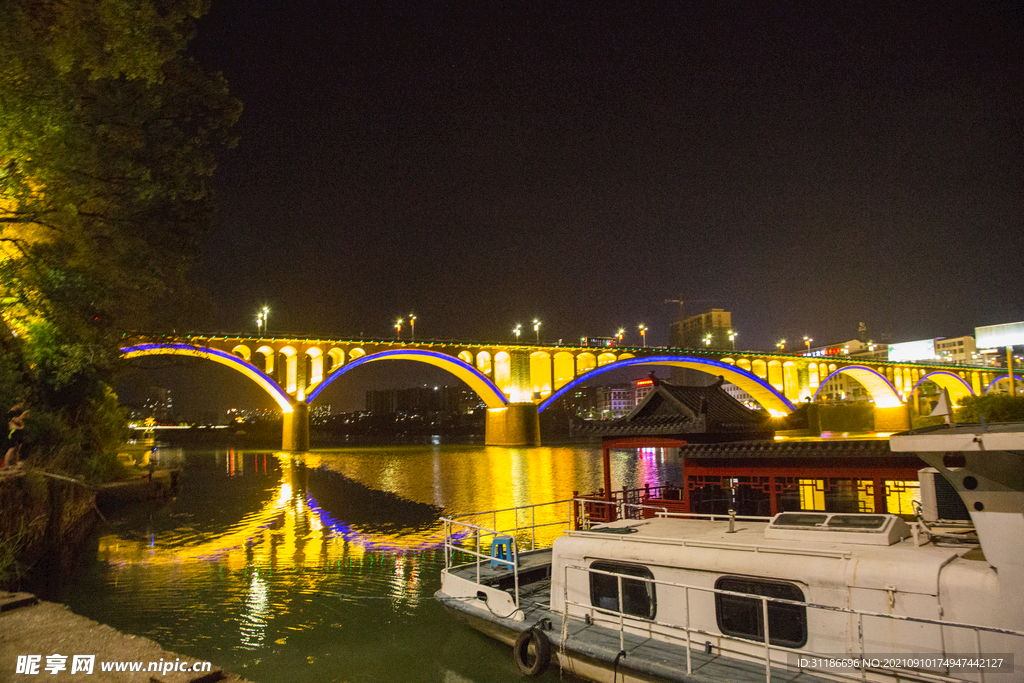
858, 448
682, 410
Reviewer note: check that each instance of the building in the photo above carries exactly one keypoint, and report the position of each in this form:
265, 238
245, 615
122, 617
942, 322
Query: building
957, 350
425, 399
615, 400
709, 330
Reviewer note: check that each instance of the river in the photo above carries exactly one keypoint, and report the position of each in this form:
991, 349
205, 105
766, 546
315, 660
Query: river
322, 566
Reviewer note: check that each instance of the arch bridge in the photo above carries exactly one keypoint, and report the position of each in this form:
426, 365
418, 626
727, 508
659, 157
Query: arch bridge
517, 381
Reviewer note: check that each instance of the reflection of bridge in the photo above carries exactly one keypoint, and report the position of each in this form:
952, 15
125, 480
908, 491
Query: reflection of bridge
516, 381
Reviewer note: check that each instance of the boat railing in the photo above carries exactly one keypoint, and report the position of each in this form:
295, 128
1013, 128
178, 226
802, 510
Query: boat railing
515, 530
762, 650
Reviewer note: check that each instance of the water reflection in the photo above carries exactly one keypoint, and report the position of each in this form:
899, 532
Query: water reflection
322, 566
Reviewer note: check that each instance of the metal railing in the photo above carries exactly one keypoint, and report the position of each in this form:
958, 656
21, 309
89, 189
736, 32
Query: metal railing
468, 528
667, 632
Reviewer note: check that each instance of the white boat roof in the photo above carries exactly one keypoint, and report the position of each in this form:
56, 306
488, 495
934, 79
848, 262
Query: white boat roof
705, 545
1000, 436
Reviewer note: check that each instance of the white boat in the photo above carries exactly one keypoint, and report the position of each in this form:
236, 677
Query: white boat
802, 596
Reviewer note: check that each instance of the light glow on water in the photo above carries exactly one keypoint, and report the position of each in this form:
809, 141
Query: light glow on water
322, 566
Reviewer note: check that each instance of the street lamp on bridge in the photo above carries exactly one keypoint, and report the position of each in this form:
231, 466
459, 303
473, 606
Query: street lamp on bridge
643, 333
707, 340
517, 331
398, 328
732, 339
412, 325
261, 320
536, 328
781, 345
619, 334
807, 342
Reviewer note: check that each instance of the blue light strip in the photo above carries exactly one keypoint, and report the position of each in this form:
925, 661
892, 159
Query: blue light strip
944, 373
1000, 378
230, 358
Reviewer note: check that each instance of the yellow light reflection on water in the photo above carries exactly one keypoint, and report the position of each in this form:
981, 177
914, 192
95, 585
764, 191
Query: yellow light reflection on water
291, 529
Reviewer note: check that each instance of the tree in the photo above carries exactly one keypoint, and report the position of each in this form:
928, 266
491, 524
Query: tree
108, 135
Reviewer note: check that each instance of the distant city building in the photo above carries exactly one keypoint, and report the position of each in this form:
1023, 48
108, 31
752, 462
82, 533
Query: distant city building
582, 402
709, 330
460, 399
741, 396
957, 350
159, 405
616, 400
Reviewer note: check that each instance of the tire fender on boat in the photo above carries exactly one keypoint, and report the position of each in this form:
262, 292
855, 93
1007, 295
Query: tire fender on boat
536, 662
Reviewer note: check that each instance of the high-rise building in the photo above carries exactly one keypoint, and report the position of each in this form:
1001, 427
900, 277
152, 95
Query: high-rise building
709, 330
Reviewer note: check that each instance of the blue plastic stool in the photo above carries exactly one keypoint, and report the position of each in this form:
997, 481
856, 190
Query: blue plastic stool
501, 552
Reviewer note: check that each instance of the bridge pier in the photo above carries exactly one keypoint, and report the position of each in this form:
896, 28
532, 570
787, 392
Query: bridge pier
517, 424
296, 428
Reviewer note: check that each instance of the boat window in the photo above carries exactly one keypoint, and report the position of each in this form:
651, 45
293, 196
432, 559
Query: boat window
743, 617
638, 597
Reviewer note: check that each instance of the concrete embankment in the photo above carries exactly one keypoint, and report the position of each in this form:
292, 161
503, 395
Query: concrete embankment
31, 628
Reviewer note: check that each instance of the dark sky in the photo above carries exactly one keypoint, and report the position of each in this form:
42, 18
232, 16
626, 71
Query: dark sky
804, 166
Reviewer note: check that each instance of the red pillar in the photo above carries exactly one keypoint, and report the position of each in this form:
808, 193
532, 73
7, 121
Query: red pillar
879, 486
607, 474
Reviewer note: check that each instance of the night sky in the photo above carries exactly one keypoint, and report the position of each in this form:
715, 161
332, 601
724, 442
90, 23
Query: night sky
804, 166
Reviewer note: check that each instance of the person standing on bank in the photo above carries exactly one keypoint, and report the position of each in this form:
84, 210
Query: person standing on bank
15, 426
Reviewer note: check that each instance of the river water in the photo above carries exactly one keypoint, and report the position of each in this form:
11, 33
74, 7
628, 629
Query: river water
322, 566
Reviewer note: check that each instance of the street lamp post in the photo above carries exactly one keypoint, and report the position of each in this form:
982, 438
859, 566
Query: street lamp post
643, 334
732, 339
412, 326
807, 342
707, 340
536, 328
261, 320
619, 335
517, 331
398, 328
781, 345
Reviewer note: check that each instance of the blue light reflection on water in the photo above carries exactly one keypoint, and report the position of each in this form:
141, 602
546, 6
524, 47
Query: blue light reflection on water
322, 566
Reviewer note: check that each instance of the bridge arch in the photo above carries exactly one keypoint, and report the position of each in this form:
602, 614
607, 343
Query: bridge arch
761, 391
477, 381
1003, 378
876, 384
222, 357
957, 386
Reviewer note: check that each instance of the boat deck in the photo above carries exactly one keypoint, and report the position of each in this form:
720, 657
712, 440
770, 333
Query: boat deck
654, 659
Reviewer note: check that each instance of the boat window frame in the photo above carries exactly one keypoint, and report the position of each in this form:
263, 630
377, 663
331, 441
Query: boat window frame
777, 612
627, 570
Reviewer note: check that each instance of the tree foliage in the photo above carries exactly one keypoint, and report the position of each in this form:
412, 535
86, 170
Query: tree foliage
995, 408
108, 135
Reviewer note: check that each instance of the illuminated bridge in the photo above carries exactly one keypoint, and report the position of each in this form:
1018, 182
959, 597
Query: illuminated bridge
517, 381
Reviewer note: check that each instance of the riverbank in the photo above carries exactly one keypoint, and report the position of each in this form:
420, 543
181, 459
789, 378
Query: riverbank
30, 627
44, 519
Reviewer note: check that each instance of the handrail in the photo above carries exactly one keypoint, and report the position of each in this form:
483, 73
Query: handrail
453, 543
687, 630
